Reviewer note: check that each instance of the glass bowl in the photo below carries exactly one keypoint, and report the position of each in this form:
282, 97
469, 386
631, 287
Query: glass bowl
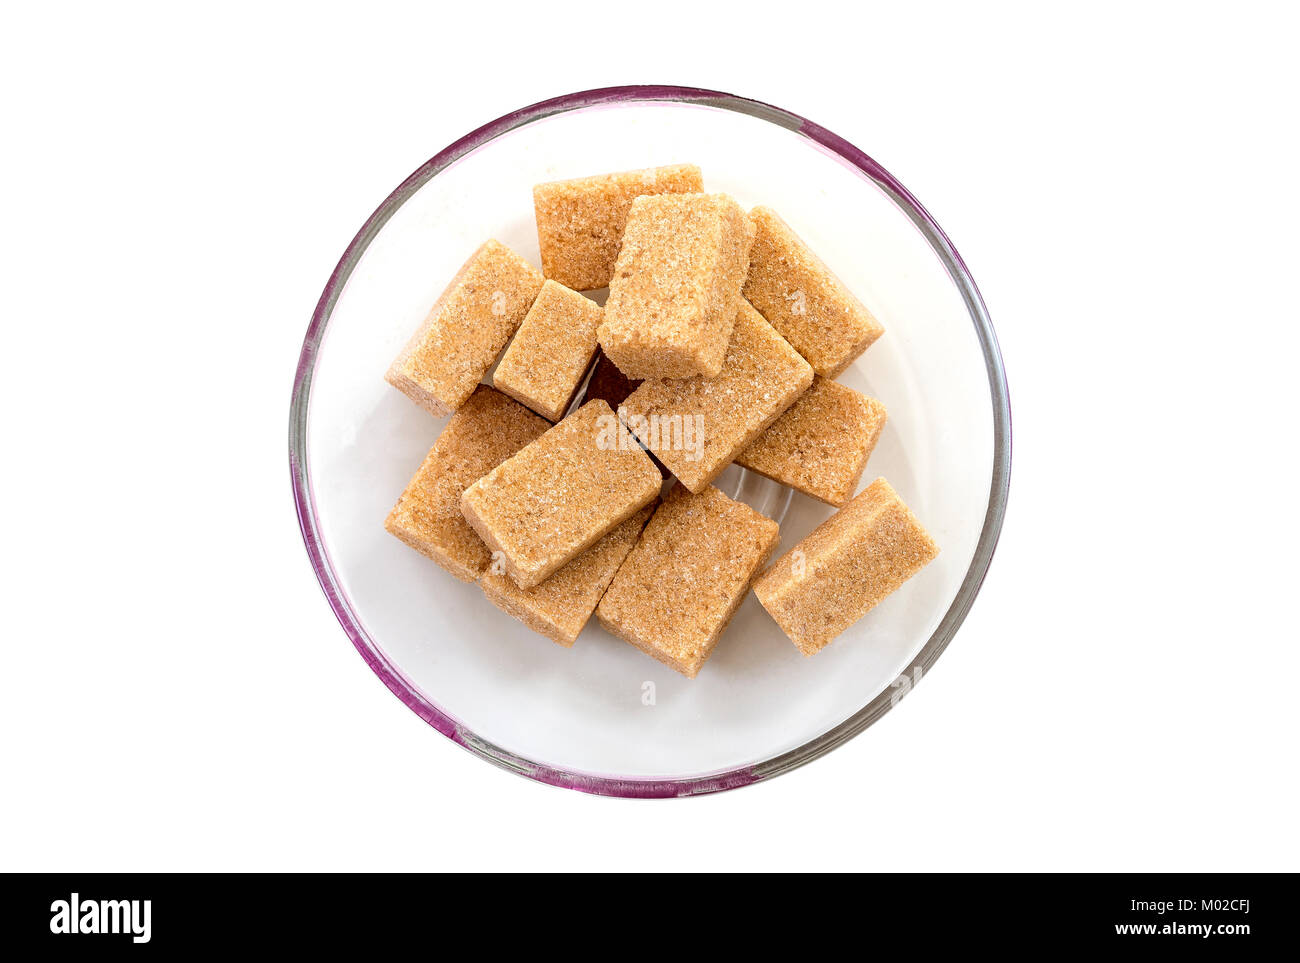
602, 717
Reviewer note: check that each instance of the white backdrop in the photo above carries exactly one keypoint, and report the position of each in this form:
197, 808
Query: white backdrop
175, 693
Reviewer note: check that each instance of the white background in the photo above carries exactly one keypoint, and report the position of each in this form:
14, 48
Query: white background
175, 693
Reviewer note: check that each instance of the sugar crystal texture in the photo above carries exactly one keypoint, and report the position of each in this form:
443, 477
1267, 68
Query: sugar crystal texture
560, 606
821, 445
484, 432
804, 300
696, 426
558, 496
551, 351
845, 567
676, 286
580, 222
682, 583
466, 329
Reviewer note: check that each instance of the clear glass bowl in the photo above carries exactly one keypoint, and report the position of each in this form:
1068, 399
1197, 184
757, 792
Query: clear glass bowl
602, 717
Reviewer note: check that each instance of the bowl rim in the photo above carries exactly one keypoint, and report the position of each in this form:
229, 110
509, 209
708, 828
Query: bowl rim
318, 554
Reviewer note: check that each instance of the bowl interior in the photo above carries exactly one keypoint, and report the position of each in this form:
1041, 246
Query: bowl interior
602, 707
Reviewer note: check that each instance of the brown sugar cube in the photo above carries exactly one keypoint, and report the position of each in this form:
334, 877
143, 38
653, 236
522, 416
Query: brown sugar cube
487, 430
820, 445
686, 577
558, 496
673, 296
580, 222
559, 607
551, 351
697, 426
466, 329
808, 304
844, 567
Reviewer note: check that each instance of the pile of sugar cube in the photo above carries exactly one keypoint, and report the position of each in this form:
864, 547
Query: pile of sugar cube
719, 342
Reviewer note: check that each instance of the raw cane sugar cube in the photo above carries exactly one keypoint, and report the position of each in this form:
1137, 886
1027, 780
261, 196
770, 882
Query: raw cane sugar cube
559, 607
676, 285
697, 426
845, 567
821, 445
561, 494
466, 329
580, 222
551, 351
803, 299
679, 587
484, 432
